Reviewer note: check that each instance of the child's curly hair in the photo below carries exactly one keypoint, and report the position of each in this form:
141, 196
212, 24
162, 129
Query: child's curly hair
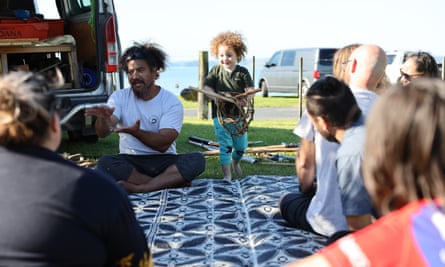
231, 39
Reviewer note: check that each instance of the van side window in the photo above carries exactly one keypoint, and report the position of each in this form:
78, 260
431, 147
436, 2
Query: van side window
390, 59
77, 7
288, 58
273, 61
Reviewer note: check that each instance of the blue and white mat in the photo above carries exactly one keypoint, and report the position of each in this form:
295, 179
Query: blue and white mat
219, 223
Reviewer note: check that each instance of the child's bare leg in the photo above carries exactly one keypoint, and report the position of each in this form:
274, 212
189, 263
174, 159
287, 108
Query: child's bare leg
236, 167
226, 172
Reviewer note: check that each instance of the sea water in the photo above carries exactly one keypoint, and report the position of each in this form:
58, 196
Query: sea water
175, 78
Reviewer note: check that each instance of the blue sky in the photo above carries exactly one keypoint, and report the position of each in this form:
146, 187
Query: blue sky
184, 28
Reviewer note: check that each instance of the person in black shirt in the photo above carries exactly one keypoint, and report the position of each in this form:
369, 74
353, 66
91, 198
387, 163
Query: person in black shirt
53, 212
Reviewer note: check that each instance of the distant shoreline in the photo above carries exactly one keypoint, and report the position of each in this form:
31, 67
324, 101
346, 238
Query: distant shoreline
195, 63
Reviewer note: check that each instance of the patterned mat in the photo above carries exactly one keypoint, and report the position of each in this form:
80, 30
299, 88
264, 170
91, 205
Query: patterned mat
219, 223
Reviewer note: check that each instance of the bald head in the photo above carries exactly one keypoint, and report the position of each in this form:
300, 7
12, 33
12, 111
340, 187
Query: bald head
366, 67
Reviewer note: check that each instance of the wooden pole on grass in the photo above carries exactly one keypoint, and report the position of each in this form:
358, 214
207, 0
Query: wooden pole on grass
253, 70
203, 101
300, 86
443, 68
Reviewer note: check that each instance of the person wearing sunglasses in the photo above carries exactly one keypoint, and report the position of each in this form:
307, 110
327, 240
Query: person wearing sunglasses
148, 119
54, 212
421, 64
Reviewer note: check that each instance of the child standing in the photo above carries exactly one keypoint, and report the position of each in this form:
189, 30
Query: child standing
229, 77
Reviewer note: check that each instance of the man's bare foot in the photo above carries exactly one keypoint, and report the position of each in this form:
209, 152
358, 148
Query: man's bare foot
138, 178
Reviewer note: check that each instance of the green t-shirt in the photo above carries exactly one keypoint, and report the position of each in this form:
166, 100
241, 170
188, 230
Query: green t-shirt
222, 81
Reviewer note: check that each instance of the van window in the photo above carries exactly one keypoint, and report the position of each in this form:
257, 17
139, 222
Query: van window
390, 58
77, 7
288, 58
274, 60
326, 57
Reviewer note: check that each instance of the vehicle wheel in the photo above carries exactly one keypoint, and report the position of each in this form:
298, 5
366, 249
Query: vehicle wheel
77, 136
264, 89
90, 138
74, 136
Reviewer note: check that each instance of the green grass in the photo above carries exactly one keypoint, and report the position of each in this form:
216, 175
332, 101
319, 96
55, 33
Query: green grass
269, 132
260, 102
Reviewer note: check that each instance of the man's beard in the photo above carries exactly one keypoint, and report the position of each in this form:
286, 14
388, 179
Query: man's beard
141, 93
329, 136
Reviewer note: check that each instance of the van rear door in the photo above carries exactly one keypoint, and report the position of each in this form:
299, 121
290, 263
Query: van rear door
324, 63
93, 25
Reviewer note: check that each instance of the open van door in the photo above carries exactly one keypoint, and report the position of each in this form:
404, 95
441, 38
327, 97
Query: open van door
80, 37
93, 24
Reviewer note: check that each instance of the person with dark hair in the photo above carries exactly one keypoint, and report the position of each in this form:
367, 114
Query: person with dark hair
343, 202
420, 64
148, 119
363, 66
403, 169
52, 213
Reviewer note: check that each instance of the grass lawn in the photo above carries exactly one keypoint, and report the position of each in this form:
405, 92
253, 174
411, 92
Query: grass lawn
260, 102
269, 132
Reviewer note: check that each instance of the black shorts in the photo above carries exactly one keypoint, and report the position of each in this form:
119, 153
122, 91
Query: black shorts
293, 209
120, 166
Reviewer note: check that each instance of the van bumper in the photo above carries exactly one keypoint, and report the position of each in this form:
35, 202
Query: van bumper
72, 112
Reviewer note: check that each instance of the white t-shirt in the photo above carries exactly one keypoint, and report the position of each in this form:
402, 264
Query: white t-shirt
163, 111
325, 212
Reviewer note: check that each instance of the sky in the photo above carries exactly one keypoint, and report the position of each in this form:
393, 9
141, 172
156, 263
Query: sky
183, 28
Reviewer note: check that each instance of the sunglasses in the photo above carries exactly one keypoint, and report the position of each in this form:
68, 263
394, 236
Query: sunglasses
136, 55
409, 77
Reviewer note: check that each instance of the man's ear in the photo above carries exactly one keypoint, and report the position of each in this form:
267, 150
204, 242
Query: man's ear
324, 124
353, 66
55, 122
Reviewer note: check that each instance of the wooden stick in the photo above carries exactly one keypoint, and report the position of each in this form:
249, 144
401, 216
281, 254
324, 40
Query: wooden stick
247, 93
206, 141
225, 98
215, 150
203, 140
275, 163
213, 94
259, 149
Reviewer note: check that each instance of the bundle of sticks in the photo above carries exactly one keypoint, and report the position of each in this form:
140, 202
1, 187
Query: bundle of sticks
212, 148
80, 160
234, 124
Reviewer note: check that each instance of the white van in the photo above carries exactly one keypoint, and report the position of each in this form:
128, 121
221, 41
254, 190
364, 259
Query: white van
280, 73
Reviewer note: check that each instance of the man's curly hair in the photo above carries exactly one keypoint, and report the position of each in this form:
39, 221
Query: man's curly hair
155, 57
